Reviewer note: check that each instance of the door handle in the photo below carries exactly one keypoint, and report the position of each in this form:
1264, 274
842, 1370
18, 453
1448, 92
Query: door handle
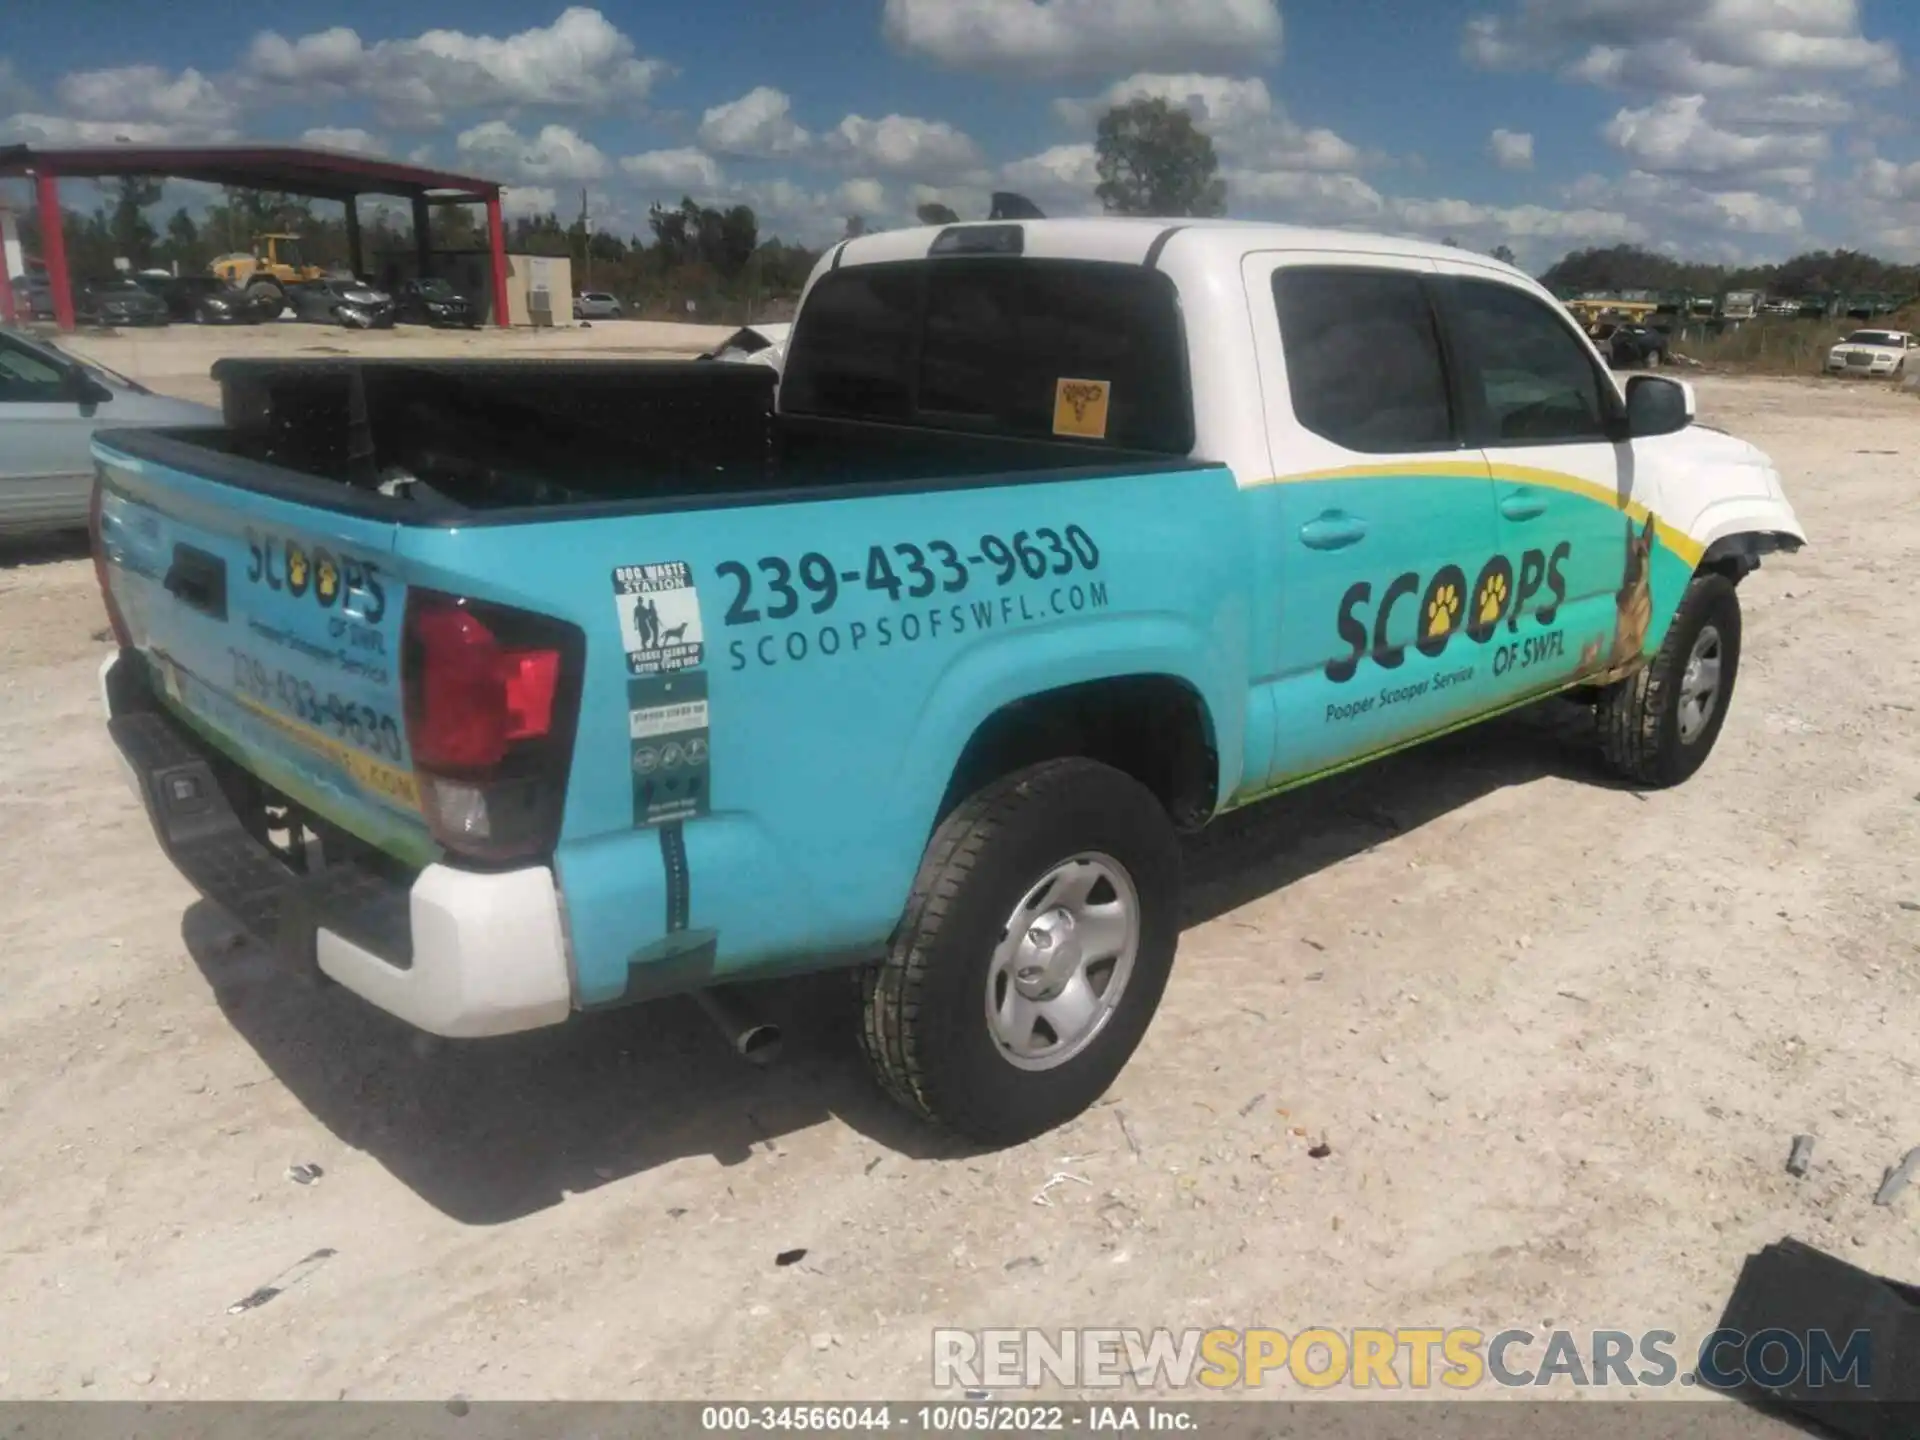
1523, 505
1333, 530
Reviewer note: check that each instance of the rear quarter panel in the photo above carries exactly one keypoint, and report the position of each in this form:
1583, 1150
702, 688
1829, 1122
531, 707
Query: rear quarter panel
782, 827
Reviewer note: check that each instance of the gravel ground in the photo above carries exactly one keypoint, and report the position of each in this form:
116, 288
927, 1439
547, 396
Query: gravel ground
1557, 1035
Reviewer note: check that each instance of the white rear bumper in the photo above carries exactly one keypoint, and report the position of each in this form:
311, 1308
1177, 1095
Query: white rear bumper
488, 952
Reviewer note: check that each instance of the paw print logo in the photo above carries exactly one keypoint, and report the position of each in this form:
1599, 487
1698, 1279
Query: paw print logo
1493, 598
1443, 611
326, 581
296, 569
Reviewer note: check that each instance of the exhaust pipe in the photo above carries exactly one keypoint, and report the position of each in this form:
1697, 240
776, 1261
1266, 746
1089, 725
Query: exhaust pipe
754, 1040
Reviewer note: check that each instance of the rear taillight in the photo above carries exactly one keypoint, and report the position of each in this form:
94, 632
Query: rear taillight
97, 543
492, 697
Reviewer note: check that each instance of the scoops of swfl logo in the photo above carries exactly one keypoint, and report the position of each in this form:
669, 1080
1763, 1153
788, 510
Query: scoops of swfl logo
659, 612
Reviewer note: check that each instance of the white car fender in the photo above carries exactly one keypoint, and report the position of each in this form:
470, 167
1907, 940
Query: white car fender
1715, 488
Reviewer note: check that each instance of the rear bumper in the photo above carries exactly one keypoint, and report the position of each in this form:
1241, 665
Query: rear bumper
454, 953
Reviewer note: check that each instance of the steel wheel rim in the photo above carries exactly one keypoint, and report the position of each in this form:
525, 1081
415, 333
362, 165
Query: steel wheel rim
1063, 962
1700, 684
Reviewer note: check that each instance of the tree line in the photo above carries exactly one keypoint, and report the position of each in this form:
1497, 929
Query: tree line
1817, 272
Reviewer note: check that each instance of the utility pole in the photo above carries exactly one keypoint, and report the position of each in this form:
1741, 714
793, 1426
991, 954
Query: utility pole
586, 241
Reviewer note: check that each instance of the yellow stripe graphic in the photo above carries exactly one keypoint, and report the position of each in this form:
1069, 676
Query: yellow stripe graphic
1677, 541
377, 775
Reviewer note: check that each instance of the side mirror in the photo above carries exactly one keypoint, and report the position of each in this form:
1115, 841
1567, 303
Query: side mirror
86, 390
1658, 406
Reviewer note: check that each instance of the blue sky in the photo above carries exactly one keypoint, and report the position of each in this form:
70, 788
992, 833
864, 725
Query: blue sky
1725, 129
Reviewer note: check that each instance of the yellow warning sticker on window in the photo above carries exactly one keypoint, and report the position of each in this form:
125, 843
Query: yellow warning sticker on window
1080, 408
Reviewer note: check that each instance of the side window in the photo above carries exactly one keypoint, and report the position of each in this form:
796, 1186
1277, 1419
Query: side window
24, 376
1363, 358
1538, 383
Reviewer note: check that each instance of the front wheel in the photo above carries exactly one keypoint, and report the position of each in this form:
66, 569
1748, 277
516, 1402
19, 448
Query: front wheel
1032, 954
1658, 725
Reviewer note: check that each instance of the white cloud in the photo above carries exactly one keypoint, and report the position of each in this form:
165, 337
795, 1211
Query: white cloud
1515, 224
528, 200
904, 145
1511, 150
1753, 213
1676, 136
798, 214
1802, 110
1219, 104
580, 61
969, 202
759, 125
866, 198
334, 137
1304, 197
145, 92
1663, 200
686, 170
1693, 46
1068, 37
36, 129
139, 104
1239, 115
1060, 180
556, 153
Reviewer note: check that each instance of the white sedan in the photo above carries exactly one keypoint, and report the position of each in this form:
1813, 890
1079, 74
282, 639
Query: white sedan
1872, 352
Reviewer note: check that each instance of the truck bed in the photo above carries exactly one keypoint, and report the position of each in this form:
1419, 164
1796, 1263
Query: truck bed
481, 441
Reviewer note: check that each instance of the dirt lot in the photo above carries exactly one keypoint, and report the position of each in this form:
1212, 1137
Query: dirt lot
1558, 1036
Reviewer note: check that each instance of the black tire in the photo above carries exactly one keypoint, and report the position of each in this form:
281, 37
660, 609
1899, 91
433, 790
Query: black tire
1639, 717
925, 1032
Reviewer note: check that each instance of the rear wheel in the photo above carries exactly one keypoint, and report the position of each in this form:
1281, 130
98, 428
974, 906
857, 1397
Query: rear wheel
1658, 726
1032, 955
266, 295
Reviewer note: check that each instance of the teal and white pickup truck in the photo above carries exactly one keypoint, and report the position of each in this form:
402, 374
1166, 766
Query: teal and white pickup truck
501, 691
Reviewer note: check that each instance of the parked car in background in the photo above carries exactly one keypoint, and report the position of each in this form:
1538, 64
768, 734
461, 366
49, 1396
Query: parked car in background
1629, 346
1872, 352
352, 303
208, 300
434, 301
32, 296
116, 302
596, 305
51, 403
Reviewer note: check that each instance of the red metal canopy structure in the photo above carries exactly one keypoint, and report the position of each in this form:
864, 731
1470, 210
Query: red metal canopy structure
296, 169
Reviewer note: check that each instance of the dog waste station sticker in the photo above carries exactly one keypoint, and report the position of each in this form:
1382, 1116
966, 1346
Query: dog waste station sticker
667, 719
659, 612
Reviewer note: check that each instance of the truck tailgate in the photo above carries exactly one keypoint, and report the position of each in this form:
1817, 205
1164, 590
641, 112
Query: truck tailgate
273, 630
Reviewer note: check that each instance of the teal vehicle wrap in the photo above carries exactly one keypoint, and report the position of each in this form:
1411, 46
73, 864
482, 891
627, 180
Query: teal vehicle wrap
502, 692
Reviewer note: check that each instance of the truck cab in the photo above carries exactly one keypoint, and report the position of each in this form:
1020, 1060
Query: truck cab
500, 691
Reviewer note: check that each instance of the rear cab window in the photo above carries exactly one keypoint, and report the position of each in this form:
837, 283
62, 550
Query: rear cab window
1087, 351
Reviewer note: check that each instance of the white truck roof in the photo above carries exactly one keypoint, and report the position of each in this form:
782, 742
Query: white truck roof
1128, 240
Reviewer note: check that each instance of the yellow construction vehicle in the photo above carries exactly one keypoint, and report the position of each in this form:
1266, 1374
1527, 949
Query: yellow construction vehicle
264, 272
